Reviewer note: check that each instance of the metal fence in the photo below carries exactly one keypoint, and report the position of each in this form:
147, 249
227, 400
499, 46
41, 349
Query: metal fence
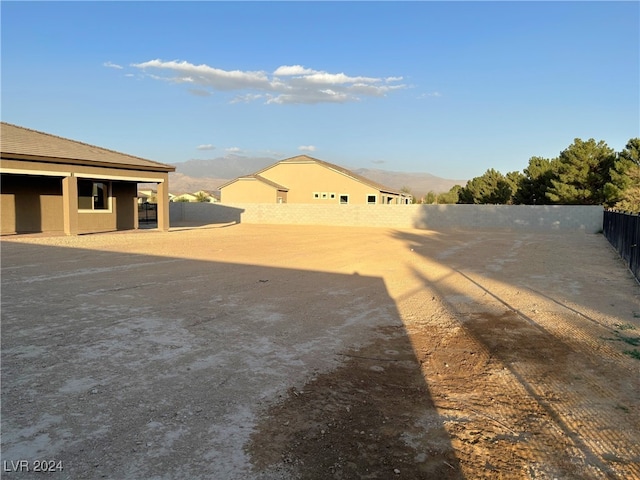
623, 232
147, 212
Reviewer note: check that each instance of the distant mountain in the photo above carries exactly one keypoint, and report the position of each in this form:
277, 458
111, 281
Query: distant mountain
419, 183
179, 183
194, 175
230, 166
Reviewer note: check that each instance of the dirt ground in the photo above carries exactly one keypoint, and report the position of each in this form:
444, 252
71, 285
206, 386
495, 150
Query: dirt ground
293, 352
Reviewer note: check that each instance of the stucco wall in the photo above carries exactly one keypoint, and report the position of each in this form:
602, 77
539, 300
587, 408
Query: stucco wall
119, 217
249, 190
30, 204
303, 179
550, 218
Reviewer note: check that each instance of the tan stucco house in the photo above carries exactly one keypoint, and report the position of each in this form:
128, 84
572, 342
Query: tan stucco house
53, 184
303, 179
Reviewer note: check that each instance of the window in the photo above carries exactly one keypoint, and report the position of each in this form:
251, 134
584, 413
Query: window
93, 195
324, 195
344, 198
316, 195
332, 195
372, 198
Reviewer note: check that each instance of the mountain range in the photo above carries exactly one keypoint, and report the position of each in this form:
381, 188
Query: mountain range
194, 175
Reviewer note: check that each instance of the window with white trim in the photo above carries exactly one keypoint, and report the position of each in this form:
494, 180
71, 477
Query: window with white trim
344, 199
371, 199
93, 195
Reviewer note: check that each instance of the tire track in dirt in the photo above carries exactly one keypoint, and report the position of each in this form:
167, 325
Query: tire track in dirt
585, 409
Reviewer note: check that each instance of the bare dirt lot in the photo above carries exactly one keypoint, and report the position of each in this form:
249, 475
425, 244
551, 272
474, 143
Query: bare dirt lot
276, 352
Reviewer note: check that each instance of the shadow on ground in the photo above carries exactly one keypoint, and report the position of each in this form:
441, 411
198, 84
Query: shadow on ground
545, 385
132, 366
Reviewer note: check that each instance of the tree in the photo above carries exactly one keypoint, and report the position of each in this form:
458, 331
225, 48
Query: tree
623, 191
430, 198
535, 182
202, 197
513, 179
583, 170
451, 197
491, 187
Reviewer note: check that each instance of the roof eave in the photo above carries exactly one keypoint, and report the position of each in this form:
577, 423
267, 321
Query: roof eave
89, 163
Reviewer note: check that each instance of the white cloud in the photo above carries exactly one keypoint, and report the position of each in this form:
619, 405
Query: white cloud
112, 65
289, 84
292, 70
233, 150
430, 95
307, 148
207, 146
208, 76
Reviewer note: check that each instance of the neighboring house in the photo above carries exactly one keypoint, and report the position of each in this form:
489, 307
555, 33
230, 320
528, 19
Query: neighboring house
304, 179
253, 189
53, 184
184, 197
148, 196
199, 196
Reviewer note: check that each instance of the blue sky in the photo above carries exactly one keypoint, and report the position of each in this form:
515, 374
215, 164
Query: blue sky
447, 88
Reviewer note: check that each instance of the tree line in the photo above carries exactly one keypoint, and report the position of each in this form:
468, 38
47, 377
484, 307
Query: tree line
585, 173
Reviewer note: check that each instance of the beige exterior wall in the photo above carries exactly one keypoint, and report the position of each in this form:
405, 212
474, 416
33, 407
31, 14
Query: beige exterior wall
35, 212
533, 218
305, 179
248, 190
308, 182
33, 198
120, 215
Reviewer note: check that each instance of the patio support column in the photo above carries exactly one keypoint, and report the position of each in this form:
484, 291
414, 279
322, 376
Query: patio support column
70, 204
135, 211
163, 205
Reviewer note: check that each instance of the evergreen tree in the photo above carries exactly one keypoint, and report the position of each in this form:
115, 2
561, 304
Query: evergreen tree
513, 179
623, 191
492, 187
535, 182
583, 170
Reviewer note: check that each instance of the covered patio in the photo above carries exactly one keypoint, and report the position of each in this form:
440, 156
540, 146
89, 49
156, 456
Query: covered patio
56, 185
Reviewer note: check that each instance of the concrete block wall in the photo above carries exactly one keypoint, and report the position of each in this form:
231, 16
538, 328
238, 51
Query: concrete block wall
552, 218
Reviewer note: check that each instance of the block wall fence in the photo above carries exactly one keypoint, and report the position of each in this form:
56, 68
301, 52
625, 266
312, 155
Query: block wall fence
551, 218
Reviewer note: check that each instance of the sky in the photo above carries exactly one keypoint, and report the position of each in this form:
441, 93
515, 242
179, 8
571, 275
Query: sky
447, 88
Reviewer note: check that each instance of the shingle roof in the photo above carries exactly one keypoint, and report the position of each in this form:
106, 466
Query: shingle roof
259, 178
20, 142
344, 171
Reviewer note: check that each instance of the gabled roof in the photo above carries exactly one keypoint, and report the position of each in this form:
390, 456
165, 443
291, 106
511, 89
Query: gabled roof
26, 144
337, 168
258, 178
